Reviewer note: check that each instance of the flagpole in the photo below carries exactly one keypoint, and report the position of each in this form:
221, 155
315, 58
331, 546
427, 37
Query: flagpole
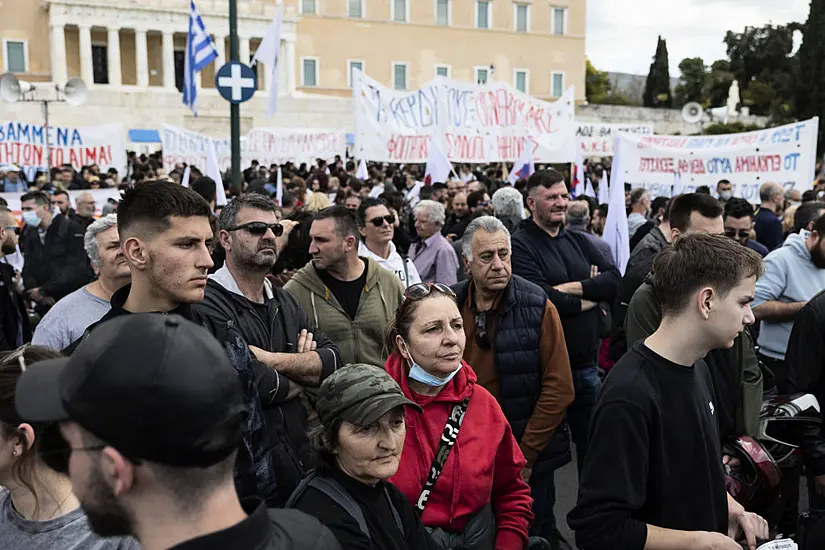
235, 108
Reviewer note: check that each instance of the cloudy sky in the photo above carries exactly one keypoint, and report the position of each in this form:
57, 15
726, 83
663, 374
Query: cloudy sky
621, 35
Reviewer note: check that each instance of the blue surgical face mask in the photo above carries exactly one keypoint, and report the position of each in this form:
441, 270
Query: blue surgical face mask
420, 375
31, 218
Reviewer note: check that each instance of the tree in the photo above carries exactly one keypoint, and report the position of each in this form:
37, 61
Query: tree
597, 84
694, 81
657, 87
810, 92
718, 83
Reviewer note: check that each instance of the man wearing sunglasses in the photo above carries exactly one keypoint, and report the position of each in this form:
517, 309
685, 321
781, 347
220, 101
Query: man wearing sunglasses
14, 320
515, 343
272, 323
739, 224
377, 230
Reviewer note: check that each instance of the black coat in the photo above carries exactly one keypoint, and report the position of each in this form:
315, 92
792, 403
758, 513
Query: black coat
59, 266
14, 320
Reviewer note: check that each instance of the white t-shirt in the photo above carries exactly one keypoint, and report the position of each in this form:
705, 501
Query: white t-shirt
394, 263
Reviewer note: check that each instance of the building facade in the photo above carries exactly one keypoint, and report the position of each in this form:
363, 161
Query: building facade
130, 54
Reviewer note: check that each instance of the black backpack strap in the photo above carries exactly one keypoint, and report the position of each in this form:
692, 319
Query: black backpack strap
338, 494
395, 516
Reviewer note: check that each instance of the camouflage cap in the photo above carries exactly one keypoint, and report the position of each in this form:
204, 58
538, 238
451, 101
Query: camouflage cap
360, 394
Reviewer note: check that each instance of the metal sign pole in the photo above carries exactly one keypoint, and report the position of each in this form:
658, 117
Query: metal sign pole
235, 108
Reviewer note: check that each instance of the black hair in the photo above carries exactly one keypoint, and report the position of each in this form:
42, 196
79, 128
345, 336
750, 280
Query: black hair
682, 206
41, 198
703, 190
806, 213
659, 203
229, 213
543, 178
206, 187
475, 197
738, 208
809, 195
59, 192
362, 209
149, 205
345, 223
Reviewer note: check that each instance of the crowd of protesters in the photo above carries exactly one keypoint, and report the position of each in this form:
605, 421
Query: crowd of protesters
381, 363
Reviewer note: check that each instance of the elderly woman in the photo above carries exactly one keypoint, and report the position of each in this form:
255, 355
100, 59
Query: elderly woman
463, 475
358, 445
508, 205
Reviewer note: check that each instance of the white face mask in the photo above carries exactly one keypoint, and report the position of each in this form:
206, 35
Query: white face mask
726, 195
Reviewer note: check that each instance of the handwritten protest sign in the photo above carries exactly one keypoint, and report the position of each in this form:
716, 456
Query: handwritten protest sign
468, 122
596, 140
265, 145
24, 145
785, 155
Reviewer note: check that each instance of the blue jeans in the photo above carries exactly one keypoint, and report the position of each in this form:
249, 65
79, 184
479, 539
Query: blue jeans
587, 385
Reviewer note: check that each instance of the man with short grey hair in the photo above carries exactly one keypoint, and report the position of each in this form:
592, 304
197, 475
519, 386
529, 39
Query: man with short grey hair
433, 255
578, 221
766, 223
516, 346
71, 316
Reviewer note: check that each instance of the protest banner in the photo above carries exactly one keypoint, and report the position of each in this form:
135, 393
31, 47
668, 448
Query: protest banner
596, 139
470, 123
785, 155
24, 145
266, 145
100, 196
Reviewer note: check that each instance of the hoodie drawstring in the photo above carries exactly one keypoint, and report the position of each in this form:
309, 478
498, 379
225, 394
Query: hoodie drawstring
314, 310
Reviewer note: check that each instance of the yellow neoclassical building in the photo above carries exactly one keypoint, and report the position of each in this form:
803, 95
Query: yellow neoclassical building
131, 53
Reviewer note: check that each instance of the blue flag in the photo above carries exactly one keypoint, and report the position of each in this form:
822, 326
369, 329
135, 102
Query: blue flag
200, 52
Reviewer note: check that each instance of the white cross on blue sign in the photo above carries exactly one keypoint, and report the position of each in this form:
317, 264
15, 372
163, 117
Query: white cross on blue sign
236, 82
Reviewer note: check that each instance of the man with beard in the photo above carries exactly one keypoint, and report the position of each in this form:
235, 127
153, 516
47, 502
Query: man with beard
72, 315
151, 415
458, 218
14, 319
576, 277
61, 200
794, 273
85, 213
351, 299
272, 323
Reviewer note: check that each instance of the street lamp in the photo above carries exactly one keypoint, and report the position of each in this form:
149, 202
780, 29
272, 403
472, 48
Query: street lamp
74, 92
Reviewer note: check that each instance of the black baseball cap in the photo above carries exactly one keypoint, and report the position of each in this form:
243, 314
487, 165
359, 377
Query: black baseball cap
155, 387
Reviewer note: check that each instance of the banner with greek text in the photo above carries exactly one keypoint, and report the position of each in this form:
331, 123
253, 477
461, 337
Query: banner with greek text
785, 155
470, 123
267, 146
25, 146
597, 140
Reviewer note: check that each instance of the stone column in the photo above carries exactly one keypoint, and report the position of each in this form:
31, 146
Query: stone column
113, 47
86, 68
243, 50
220, 45
290, 67
58, 45
141, 59
169, 60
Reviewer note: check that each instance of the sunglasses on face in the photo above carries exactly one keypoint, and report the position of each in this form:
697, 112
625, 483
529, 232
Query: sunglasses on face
379, 221
742, 233
419, 290
259, 228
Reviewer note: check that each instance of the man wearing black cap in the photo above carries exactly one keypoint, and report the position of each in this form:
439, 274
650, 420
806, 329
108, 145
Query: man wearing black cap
150, 452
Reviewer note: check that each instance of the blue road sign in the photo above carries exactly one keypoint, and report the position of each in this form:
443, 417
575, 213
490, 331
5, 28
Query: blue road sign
236, 82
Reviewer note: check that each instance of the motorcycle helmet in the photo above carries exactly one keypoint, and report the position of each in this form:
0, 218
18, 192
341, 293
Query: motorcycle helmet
786, 422
752, 476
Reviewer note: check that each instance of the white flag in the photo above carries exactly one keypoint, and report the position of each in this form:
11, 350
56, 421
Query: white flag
616, 233
186, 173
588, 189
677, 184
268, 53
279, 188
362, 173
214, 172
604, 189
438, 166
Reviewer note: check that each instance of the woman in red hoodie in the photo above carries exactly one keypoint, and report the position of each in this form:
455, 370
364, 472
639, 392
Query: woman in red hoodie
484, 466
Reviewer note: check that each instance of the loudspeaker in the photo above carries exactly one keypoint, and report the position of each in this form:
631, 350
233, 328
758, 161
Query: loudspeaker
12, 89
75, 92
692, 112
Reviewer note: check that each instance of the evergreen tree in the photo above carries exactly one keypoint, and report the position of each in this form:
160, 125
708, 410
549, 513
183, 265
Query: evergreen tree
657, 87
810, 92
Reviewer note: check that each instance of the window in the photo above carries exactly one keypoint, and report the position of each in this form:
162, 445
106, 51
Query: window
399, 76
482, 14
308, 6
442, 12
442, 70
559, 21
557, 84
16, 56
353, 65
356, 9
482, 75
399, 11
100, 65
309, 71
521, 81
521, 17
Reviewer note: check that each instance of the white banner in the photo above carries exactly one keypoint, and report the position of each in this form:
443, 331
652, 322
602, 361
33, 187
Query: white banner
468, 122
597, 140
24, 145
785, 155
267, 146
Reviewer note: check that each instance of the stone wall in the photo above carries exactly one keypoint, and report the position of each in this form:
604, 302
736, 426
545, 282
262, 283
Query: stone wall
665, 121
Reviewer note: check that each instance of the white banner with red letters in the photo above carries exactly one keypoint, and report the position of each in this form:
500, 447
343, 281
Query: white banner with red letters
596, 139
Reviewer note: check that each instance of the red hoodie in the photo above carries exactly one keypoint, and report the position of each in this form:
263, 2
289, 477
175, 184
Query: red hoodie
484, 466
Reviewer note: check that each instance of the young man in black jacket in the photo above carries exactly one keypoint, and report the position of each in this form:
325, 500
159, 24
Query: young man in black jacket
576, 277
277, 330
653, 475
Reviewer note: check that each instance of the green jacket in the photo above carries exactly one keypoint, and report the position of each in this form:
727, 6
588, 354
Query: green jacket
360, 340
736, 374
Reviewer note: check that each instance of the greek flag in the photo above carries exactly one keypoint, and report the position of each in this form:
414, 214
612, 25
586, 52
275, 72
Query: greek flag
200, 52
